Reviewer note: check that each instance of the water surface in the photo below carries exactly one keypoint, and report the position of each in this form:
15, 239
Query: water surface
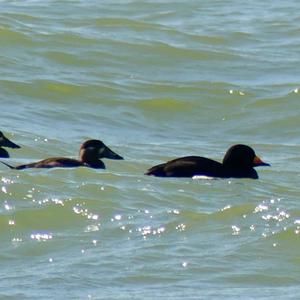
154, 80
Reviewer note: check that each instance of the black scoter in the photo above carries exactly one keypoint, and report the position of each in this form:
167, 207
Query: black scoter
5, 142
89, 156
238, 162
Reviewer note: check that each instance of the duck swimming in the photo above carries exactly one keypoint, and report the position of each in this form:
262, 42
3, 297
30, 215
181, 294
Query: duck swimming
5, 142
89, 156
238, 162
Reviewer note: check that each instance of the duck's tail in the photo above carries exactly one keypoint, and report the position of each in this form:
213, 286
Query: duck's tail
11, 167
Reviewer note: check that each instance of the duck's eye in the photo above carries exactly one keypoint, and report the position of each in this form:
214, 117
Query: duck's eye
88, 149
101, 150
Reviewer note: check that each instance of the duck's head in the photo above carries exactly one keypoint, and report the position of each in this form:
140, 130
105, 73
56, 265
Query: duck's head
242, 156
93, 150
5, 142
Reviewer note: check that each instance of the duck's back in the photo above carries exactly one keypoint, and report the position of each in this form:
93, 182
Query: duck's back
55, 162
188, 166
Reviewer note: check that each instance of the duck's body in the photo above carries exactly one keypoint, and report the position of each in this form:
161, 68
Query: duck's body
89, 156
5, 142
59, 162
239, 162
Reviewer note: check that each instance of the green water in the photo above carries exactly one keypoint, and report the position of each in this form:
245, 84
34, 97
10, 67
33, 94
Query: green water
154, 80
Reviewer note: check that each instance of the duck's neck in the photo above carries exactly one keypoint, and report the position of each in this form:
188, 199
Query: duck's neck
91, 160
98, 164
3, 153
240, 171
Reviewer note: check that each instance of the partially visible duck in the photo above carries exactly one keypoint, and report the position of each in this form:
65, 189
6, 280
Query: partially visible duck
5, 142
89, 156
238, 162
